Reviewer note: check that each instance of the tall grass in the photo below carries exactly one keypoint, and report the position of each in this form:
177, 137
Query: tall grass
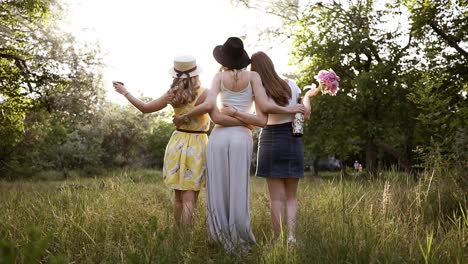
127, 217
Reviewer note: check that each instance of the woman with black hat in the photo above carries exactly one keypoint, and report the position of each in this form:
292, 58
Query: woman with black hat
229, 149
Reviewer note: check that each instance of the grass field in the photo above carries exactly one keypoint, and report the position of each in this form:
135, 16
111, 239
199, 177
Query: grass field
126, 217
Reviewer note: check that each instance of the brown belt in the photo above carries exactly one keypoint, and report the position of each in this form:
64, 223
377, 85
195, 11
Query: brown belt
192, 131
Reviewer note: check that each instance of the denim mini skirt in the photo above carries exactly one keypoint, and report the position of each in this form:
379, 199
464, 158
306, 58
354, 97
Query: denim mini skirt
280, 155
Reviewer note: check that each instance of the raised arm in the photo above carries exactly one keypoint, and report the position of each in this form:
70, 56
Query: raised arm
152, 106
313, 91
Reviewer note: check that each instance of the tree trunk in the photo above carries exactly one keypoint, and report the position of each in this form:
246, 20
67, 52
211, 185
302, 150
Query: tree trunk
313, 168
343, 168
371, 157
408, 160
313, 165
403, 157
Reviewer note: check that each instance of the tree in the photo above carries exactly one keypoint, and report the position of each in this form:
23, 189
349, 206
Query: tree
130, 138
441, 85
371, 111
42, 67
403, 69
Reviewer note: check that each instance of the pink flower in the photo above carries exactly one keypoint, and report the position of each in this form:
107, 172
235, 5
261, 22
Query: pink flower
328, 81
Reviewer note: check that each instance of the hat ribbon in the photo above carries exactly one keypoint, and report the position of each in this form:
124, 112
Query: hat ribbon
181, 73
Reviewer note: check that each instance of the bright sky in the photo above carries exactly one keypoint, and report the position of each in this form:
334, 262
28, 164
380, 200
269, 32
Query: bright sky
140, 38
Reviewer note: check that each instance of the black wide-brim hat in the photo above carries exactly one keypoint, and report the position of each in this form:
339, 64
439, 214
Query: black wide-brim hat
232, 54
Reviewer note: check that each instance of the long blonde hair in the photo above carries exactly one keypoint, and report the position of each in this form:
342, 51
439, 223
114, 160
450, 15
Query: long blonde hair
182, 93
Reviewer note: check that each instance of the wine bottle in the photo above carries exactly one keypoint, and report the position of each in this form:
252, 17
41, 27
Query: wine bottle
298, 122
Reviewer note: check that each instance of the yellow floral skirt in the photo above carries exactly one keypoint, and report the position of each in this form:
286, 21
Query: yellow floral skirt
184, 161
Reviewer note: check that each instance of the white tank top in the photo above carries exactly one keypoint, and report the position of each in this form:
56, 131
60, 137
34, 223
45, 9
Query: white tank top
242, 100
285, 118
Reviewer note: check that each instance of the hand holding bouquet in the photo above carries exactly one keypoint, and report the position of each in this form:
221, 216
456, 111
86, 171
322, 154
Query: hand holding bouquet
328, 82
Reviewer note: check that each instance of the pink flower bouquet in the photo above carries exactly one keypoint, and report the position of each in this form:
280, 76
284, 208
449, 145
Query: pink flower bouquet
328, 82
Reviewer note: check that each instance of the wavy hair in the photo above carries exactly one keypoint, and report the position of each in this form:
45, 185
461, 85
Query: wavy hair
275, 87
180, 94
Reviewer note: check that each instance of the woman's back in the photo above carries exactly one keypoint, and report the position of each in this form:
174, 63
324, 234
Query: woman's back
237, 93
283, 118
197, 123
228, 158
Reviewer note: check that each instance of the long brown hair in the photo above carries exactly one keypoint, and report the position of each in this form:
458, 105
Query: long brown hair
275, 87
180, 94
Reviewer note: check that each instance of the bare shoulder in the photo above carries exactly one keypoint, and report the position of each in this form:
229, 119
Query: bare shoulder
255, 78
217, 76
254, 75
202, 97
204, 91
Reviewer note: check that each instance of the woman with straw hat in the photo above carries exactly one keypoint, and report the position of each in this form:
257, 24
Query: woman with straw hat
184, 159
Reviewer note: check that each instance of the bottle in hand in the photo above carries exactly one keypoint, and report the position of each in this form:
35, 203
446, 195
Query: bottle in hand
298, 122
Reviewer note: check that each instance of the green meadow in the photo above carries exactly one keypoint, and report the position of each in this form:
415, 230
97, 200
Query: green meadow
67, 141
126, 217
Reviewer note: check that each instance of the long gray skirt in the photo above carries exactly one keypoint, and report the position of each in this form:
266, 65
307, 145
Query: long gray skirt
228, 157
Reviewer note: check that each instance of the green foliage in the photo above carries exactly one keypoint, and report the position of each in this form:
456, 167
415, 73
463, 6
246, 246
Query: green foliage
366, 114
11, 121
33, 251
403, 90
403, 75
133, 139
42, 67
441, 79
119, 136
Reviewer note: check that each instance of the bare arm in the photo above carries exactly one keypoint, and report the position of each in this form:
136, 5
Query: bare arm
209, 106
266, 104
258, 119
218, 117
223, 119
152, 106
208, 103
309, 94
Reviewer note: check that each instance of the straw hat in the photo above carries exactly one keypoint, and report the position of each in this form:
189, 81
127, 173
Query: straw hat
185, 66
232, 54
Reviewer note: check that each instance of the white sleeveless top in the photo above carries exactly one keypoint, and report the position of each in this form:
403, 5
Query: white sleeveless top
285, 118
242, 100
